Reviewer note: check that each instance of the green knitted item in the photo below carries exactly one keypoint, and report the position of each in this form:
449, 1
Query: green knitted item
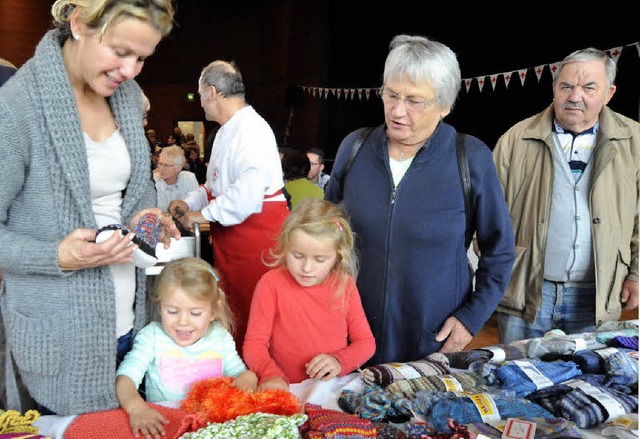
253, 426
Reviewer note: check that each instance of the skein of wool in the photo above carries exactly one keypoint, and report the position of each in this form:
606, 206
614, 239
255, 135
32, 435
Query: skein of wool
438, 407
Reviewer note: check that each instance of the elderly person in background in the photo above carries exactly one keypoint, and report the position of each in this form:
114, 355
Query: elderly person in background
172, 182
242, 198
570, 177
404, 196
71, 305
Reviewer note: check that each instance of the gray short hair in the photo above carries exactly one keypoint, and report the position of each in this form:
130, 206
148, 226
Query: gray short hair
591, 54
424, 61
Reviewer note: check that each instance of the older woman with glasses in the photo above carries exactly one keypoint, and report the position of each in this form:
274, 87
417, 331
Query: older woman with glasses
404, 196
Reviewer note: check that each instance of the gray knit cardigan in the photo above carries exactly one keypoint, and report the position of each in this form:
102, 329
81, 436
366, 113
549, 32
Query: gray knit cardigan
60, 326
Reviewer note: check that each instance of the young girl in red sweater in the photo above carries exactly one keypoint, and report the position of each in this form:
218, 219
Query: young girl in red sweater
306, 318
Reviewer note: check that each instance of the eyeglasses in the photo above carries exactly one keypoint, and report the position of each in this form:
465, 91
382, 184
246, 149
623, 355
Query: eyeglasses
390, 97
314, 164
166, 165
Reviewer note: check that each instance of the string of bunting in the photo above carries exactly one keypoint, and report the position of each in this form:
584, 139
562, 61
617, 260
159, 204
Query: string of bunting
366, 93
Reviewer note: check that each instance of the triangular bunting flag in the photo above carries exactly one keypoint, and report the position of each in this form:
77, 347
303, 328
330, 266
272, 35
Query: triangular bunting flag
507, 79
539, 70
494, 79
615, 53
365, 93
522, 73
480, 80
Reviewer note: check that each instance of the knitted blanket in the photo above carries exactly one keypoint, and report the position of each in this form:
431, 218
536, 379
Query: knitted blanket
110, 424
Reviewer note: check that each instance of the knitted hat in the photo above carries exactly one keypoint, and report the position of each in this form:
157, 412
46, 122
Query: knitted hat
111, 424
147, 233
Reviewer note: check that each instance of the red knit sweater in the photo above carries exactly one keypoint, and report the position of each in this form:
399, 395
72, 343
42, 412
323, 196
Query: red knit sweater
290, 324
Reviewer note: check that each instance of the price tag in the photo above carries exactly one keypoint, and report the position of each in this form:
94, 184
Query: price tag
519, 429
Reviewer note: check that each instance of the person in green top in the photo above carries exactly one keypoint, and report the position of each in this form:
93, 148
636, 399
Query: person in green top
295, 167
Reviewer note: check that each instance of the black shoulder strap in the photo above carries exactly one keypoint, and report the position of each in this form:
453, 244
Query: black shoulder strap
465, 180
364, 133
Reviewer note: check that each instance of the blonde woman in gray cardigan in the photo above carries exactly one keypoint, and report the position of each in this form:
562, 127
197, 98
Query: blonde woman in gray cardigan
70, 305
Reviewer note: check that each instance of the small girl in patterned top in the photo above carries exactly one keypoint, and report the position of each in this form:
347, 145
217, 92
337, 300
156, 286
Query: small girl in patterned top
192, 342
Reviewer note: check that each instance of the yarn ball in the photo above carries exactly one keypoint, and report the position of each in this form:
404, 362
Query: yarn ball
217, 400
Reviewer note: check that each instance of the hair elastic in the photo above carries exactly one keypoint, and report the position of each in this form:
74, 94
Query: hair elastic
338, 225
213, 273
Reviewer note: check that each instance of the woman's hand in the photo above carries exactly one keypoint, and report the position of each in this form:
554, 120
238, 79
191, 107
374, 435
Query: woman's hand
323, 367
78, 250
274, 383
168, 229
247, 381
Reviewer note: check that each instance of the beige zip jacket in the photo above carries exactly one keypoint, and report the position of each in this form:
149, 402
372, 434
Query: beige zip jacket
524, 160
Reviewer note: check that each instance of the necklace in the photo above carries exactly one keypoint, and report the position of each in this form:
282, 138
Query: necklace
404, 155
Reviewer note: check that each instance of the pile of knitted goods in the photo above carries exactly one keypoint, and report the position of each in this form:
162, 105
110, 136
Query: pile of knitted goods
571, 381
212, 408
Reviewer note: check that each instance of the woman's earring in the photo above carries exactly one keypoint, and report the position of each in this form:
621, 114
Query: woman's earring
76, 37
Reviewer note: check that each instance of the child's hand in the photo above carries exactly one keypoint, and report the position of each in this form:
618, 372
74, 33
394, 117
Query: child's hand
323, 367
247, 381
274, 383
143, 419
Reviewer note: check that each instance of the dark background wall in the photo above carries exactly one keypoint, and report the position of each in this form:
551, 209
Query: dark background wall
281, 45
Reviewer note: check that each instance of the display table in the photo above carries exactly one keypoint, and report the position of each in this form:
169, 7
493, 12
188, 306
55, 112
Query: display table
317, 392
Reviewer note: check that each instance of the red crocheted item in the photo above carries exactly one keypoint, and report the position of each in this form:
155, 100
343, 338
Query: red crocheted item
328, 424
112, 424
216, 400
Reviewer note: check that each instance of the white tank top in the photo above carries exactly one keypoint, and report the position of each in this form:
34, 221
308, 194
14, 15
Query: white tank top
109, 173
